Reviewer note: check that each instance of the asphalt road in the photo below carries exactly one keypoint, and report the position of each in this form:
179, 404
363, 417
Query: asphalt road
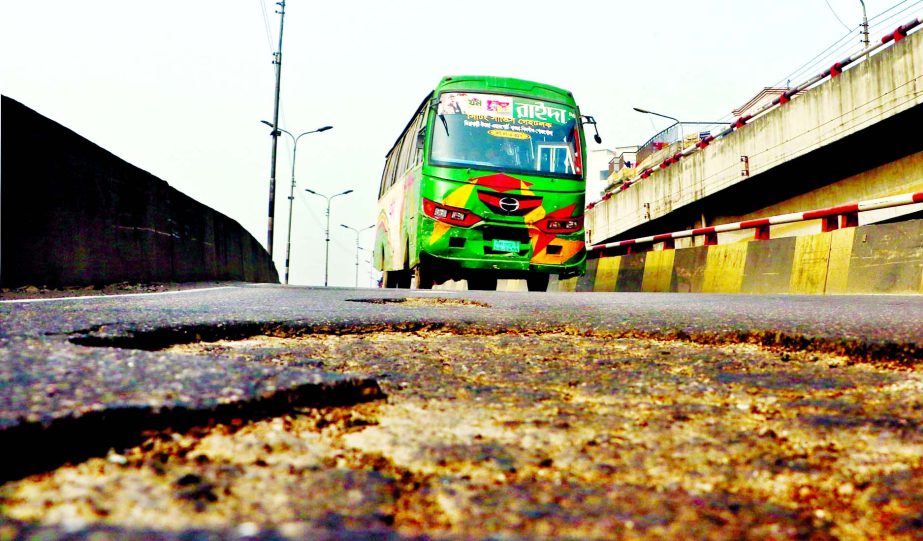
92, 376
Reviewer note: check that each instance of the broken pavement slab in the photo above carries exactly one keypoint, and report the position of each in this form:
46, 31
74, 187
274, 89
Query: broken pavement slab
63, 402
503, 428
525, 435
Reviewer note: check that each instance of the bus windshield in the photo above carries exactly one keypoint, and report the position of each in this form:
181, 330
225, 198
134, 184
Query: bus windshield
508, 133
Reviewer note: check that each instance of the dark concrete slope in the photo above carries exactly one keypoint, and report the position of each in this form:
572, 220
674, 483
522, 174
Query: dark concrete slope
72, 213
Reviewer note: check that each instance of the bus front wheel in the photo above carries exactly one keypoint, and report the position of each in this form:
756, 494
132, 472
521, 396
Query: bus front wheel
390, 279
537, 281
482, 282
422, 277
397, 279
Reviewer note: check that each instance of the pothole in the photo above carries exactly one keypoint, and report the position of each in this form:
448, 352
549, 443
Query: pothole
528, 435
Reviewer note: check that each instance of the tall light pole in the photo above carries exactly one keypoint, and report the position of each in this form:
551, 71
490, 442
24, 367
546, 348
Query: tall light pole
291, 196
327, 231
277, 60
357, 231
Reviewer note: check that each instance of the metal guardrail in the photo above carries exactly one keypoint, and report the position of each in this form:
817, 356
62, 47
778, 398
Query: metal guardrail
657, 142
677, 133
848, 216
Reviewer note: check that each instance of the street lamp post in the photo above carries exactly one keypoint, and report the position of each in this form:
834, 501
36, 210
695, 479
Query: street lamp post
371, 271
675, 121
357, 231
327, 231
291, 196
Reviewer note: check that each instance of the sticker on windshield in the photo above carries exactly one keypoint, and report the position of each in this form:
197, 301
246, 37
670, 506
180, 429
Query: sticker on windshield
509, 134
521, 111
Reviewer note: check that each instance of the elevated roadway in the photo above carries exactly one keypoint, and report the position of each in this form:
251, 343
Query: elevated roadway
850, 137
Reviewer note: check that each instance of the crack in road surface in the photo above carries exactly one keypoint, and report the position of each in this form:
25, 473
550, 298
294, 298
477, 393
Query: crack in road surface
424, 302
527, 435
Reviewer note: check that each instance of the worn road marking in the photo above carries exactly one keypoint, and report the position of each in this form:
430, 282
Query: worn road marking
84, 297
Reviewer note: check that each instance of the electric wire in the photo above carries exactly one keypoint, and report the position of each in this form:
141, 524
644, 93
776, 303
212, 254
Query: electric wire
320, 224
266, 24
841, 47
837, 17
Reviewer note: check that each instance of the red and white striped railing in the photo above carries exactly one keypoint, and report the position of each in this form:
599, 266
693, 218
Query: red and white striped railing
848, 217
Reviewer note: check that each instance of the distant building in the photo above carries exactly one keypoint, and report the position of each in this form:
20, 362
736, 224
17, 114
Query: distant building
598, 169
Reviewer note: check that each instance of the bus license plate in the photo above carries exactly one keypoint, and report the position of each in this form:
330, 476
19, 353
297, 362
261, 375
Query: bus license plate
505, 245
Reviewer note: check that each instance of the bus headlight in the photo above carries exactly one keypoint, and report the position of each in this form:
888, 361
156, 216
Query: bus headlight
449, 215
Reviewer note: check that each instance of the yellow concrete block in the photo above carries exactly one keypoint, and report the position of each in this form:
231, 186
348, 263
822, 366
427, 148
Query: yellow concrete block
724, 268
809, 265
569, 285
658, 271
841, 243
512, 285
607, 272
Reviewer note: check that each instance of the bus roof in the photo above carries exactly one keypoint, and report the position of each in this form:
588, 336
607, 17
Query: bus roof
491, 83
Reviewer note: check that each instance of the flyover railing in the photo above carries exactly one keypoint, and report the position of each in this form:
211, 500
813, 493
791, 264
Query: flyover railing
832, 218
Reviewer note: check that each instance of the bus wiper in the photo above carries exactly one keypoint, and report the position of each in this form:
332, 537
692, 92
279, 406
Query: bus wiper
444, 123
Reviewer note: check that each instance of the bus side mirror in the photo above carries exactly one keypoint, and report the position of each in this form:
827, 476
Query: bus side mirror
421, 137
587, 119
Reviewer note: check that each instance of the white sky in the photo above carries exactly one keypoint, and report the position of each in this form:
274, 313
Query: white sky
178, 88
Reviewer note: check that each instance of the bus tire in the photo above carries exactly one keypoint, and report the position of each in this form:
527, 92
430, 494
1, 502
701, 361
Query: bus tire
537, 281
390, 279
422, 277
403, 279
482, 282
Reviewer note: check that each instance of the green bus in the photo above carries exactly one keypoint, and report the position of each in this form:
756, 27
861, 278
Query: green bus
486, 181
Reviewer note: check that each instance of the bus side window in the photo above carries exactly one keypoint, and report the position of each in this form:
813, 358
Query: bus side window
391, 168
419, 128
408, 149
404, 159
410, 145
385, 180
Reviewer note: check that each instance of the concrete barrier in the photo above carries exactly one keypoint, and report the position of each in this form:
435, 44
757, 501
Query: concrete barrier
73, 214
876, 258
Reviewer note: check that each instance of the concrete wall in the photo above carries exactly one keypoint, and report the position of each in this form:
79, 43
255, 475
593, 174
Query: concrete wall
877, 258
72, 213
851, 138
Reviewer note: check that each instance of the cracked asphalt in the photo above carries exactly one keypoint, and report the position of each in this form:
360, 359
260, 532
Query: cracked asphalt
285, 412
